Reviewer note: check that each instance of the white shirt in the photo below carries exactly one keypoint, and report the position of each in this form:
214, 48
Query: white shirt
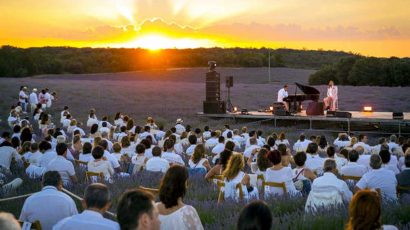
35, 158
89, 220
211, 142
279, 176
364, 160
340, 162
225, 133
380, 178
22, 96
179, 129
157, 164
112, 159
353, 169
86, 157
218, 149
341, 144
64, 167
200, 164
393, 145
172, 157
190, 150
282, 94
66, 122
332, 92
101, 166
48, 206
284, 141
329, 180
206, 135
33, 98
185, 218
367, 148
301, 146
48, 156
248, 151
6, 154
314, 163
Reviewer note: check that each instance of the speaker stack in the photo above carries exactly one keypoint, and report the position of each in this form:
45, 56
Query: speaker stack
213, 103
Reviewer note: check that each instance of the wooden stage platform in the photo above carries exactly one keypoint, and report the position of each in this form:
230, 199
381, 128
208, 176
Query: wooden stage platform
358, 118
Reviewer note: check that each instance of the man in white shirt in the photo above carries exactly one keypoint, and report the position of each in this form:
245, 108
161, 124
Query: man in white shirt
97, 200
382, 142
389, 162
219, 147
112, 159
169, 154
283, 93
192, 144
353, 168
7, 153
363, 143
379, 178
342, 141
50, 205
48, 153
238, 138
65, 111
156, 163
302, 144
48, 98
33, 100
66, 121
314, 162
226, 131
211, 142
23, 98
393, 143
137, 210
327, 185
62, 165
146, 133
206, 134
179, 127
248, 151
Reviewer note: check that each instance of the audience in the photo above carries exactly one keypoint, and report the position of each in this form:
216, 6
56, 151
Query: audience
50, 205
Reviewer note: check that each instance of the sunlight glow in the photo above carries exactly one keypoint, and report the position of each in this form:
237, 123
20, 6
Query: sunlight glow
157, 41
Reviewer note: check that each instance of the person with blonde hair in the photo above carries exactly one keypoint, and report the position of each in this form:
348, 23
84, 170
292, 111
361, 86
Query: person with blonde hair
198, 159
234, 175
365, 212
331, 101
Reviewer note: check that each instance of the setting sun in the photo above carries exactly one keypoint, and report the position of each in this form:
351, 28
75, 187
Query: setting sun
158, 41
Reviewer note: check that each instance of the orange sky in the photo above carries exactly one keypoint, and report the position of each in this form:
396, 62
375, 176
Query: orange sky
369, 27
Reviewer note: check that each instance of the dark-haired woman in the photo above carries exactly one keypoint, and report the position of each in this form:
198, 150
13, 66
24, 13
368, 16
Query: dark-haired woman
173, 213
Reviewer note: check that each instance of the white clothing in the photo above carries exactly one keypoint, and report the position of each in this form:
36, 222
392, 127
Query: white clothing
101, 166
172, 157
66, 123
112, 159
393, 168
48, 156
340, 162
225, 133
185, 218
91, 121
383, 179
200, 164
393, 146
86, 157
279, 176
33, 99
48, 206
22, 96
206, 135
301, 146
367, 148
284, 141
88, 219
282, 93
159, 135
179, 129
190, 150
62, 166
248, 151
314, 163
353, 169
232, 193
248, 142
148, 152
139, 163
218, 149
364, 160
157, 164
130, 151
341, 144
329, 179
298, 175
211, 142
6, 155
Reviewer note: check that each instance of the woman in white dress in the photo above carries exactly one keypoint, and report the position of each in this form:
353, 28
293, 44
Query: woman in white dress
282, 140
92, 118
331, 100
279, 174
86, 155
234, 175
198, 159
118, 121
173, 213
100, 165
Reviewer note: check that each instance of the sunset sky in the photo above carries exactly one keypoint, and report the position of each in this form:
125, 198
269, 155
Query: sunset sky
369, 27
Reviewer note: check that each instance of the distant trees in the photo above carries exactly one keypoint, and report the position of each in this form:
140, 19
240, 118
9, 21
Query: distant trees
358, 70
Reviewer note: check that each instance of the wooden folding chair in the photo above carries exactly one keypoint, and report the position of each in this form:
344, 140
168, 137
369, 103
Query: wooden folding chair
221, 192
80, 163
355, 178
35, 225
401, 189
26, 164
90, 175
154, 191
262, 178
281, 185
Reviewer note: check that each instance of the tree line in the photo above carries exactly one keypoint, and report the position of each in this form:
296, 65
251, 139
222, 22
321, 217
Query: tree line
19, 62
359, 70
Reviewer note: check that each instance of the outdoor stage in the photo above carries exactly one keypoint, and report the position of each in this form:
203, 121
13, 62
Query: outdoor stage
359, 120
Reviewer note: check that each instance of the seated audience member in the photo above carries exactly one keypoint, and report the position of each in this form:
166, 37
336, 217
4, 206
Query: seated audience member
379, 178
8, 222
173, 213
62, 165
86, 155
282, 140
169, 154
97, 200
331, 154
156, 163
363, 143
192, 144
140, 159
255, 215
50, 205
327, 190
364, 159
393, 143
302, 144
233, 175
100, 165
403, 178
314, 162
7, 153
286, 155
376, 149
221, 166
365, 212
262, 161
34, 170
353, 168
198, 159
137, 211
302, 174
342, 141
253, 145
116, 148
115, 164
48, 153
389, 162
278, 173
216, 151
212, 141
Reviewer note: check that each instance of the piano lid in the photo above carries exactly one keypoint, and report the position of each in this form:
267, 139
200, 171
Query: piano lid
307, 89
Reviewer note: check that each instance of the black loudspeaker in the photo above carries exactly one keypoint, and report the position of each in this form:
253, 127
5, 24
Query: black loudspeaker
398, 115
330, 113
213, 88
214, 107
315, 108
229, 81
280, 112
343, 114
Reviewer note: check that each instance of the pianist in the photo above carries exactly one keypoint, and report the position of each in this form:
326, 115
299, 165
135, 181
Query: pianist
283, 93
331, 101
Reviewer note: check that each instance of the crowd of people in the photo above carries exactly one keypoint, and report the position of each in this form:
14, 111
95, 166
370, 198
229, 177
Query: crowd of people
51, 147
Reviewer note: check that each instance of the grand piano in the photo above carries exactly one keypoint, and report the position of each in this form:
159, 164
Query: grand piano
295, 100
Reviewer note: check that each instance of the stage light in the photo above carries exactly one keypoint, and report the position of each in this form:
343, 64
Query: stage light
235, 109
271, 108
367, 109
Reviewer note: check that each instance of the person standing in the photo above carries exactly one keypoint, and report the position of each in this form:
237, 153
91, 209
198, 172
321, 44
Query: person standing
33, 100
331, 100
282, 94
23, 98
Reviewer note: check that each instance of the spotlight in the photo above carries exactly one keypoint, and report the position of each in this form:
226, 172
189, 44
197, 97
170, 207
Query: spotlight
271, 108
367, 109
235, 109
